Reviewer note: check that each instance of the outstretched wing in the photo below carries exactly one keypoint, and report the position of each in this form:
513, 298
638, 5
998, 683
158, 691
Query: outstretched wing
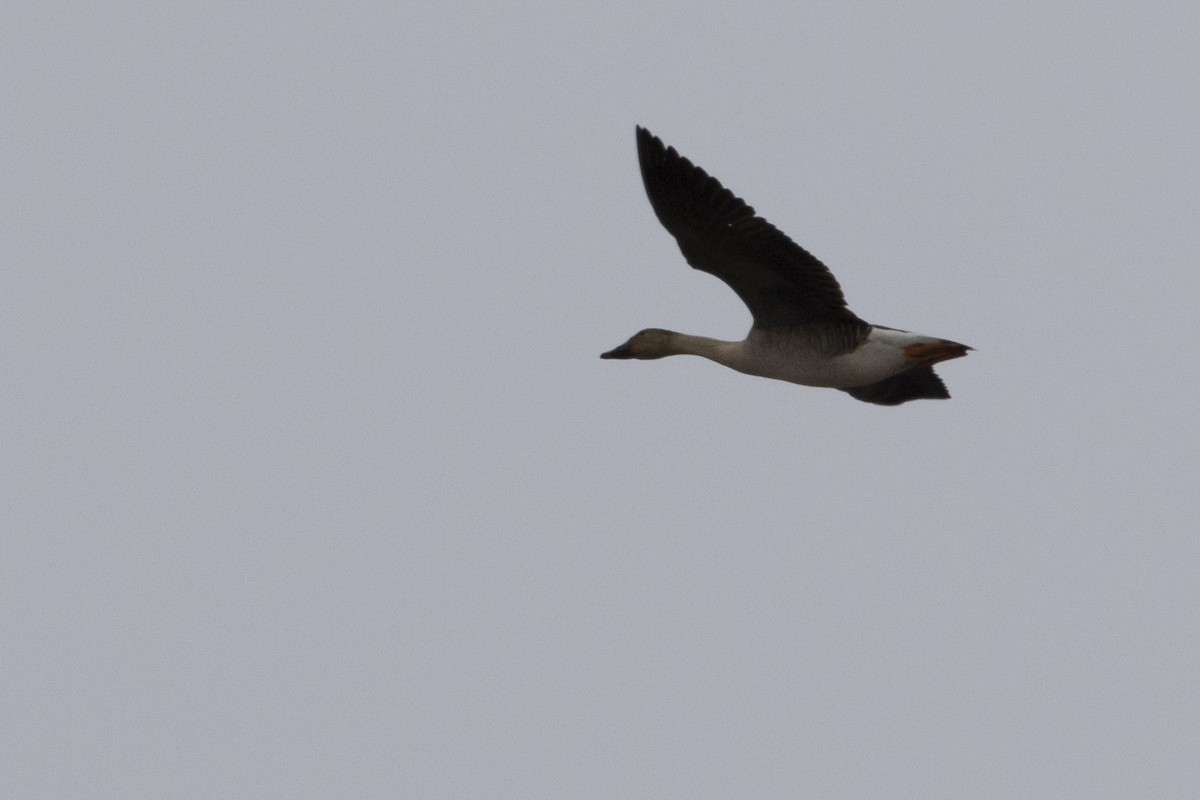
919, 383
781, 283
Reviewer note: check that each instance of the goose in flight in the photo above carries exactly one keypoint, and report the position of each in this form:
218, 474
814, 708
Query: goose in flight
802, 332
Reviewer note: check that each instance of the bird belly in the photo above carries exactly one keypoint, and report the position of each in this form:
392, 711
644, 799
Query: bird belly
879, 357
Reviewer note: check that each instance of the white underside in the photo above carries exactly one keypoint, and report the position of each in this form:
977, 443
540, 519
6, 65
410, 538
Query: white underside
797, 361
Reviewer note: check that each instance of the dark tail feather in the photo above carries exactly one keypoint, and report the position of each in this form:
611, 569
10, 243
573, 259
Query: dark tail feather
919, 383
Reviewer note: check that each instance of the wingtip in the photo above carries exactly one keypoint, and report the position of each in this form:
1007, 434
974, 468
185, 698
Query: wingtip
645, 138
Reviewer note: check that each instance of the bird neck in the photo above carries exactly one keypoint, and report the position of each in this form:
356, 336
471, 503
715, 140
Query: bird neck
725, 353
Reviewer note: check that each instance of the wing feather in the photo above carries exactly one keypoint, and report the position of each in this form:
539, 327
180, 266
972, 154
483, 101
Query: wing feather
919, 383
780, 282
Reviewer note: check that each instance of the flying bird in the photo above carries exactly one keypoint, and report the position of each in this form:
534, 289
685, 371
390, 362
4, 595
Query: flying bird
802, 332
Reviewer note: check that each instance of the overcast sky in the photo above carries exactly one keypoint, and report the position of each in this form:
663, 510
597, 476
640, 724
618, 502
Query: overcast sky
314, 485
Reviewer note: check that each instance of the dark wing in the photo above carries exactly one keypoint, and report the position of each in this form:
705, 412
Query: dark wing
781, 282
919, 383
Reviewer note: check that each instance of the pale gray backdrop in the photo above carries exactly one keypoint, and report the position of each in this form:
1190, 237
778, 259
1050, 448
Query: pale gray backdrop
315, 487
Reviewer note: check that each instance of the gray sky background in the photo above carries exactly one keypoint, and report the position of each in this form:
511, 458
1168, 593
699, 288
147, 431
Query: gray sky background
314, 485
